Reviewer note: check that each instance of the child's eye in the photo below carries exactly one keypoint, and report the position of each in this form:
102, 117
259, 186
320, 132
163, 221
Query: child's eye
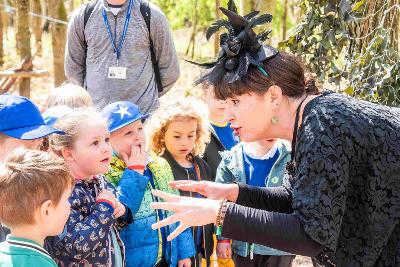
140, 129
177, 137
235, 101
95, 143
107, 139
190, 136
128, 133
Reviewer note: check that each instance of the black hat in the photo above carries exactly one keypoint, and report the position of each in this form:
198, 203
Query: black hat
240, 46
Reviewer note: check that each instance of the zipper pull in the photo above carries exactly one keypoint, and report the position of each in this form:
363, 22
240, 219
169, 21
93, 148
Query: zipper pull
251, 252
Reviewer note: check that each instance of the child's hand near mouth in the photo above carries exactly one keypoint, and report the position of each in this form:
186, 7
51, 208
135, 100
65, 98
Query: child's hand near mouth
137, 159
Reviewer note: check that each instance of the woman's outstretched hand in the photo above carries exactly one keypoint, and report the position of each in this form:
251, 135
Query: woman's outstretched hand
208, 189
187, 211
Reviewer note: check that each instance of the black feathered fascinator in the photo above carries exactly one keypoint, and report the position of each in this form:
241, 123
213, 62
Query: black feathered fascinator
240, 46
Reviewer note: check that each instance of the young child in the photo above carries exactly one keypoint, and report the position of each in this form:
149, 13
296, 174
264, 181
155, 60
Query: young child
70, 95
263, 164
34, 191
222, 137
90, 236
178, 132
21, 124
130, 163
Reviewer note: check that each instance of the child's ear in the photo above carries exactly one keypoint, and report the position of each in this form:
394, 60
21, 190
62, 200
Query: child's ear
46, 210
67, 154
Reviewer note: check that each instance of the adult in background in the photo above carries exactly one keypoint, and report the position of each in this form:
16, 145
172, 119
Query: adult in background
108, 52
340, 201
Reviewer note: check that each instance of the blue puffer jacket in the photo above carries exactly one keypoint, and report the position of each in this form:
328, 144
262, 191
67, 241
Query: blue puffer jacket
142, 244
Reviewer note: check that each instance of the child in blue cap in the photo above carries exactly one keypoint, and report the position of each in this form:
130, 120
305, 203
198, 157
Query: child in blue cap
135, 174
21, 124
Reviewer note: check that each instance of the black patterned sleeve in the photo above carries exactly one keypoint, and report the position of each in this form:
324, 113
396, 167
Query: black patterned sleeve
324, 150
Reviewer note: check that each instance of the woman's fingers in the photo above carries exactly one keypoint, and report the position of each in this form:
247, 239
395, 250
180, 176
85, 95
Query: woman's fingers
191, 186
177, 231
166, 196
170, 206
167, 221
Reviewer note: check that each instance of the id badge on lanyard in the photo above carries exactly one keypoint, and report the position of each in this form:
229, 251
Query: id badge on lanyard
117, 72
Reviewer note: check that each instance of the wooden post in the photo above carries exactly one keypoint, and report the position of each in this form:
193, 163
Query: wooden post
37, 26
23, 38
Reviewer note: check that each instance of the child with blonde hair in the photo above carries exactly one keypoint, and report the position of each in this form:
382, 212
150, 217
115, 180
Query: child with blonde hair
178, 133
90, 236
34, 191
135, 173
70, 95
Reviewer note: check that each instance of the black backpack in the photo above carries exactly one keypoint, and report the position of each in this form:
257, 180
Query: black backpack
145, 11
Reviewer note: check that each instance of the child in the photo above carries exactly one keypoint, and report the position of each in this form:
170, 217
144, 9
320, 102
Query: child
144, 246
40, 211
248, 163
178, 132
21, 124
222, 136
90, 236
70, 95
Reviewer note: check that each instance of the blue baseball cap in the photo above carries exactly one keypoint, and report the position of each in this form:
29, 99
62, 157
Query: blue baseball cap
120, 114
52, 114
20, 118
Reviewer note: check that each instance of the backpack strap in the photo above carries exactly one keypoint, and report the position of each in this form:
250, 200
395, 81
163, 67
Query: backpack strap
145, 10
86, 15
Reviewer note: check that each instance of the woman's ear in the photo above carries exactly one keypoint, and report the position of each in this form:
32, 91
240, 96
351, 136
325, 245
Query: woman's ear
276, 96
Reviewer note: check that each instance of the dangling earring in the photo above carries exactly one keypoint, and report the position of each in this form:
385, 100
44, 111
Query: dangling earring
274, 120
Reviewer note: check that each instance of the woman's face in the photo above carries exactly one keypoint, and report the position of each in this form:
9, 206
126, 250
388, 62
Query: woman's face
250, 116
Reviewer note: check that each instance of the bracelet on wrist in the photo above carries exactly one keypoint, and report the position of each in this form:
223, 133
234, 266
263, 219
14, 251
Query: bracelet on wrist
137, 167
223, 207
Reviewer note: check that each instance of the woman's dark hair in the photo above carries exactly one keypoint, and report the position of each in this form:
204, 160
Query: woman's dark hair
284, 70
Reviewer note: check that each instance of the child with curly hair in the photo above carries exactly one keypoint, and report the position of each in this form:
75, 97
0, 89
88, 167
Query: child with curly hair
178, 132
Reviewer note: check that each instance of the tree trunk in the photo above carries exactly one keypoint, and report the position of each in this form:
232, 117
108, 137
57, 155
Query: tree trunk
216, 35
57, 10
23, 38
70, 6
37, 26
284, 19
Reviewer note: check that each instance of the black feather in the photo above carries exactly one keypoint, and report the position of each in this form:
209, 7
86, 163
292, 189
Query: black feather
263, 35
216, 26
251, 15
262, 19
206, 65
232, 6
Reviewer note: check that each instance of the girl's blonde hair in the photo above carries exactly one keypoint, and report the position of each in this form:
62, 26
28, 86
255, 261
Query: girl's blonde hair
70, 124
70, 95
181, 109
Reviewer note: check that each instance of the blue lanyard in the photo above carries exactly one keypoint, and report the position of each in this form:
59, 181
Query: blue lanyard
117, 51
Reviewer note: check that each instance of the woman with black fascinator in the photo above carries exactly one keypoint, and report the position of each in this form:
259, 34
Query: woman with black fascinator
341, 199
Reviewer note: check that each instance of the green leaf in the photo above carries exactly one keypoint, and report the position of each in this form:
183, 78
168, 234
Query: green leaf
358, 5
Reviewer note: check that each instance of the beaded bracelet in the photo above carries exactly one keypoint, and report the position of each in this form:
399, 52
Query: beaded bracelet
223, 207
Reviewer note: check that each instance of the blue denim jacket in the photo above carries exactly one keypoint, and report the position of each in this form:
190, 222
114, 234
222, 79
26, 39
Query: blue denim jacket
231, 170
